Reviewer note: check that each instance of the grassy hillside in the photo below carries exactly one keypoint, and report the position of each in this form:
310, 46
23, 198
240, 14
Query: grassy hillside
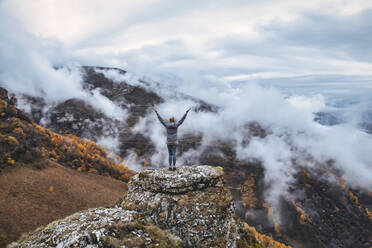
31, 197
45, 176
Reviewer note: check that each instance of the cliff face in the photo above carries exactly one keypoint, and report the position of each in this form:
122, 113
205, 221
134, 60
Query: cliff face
192, 203
186, 208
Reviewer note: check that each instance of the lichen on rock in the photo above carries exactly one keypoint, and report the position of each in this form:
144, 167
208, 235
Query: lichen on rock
78, 230
185, 179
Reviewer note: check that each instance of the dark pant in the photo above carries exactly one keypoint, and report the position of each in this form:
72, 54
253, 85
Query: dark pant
172, 154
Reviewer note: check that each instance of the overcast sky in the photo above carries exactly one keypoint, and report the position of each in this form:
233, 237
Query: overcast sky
324, 45
215, 50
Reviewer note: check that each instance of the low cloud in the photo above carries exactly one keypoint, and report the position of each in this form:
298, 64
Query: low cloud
293, 137
32, 65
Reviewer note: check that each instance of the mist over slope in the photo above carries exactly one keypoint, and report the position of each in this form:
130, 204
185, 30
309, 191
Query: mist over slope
294, 129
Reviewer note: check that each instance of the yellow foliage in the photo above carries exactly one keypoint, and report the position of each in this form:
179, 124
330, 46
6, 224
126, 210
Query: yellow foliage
19, 131
248, 193
270, 214
124, 176
104, 151
53, 154
266, 241
305, 173
354, 198
80, 147
369, 213
303, 215
11, 161
44, 152
12, 141
92, 170
69, 150
342, 183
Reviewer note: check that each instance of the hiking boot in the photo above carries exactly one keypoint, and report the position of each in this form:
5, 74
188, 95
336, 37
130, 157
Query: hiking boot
170, 168
173, 168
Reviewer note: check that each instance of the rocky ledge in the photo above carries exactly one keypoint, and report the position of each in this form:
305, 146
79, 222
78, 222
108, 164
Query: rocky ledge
185, 208
184, 179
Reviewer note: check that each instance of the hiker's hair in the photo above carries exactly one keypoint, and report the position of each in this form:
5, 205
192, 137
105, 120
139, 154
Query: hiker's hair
171, 119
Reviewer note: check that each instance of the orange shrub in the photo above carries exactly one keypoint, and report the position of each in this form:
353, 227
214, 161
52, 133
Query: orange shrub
369, 213
68, 150
92, 170
11, 161
19, 131
12, 141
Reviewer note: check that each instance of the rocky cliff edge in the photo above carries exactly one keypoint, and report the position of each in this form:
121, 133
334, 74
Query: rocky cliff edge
186, 208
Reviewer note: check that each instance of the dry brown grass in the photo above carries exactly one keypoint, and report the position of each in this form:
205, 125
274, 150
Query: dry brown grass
27, 201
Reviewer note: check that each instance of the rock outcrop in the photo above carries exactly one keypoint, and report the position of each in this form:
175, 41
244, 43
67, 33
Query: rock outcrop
186, 208
191, 203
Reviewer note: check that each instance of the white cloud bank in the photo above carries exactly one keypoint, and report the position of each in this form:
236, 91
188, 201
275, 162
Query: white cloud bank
294, 138
28, 65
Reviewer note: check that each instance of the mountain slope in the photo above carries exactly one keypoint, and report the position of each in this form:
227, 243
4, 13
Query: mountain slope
321, 210
22, 141
31, 197
42, 173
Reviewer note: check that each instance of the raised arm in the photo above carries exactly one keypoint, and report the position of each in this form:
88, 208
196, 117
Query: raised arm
160, 119
179, 123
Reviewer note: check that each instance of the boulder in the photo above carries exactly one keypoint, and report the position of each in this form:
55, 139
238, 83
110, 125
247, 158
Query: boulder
190, 203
